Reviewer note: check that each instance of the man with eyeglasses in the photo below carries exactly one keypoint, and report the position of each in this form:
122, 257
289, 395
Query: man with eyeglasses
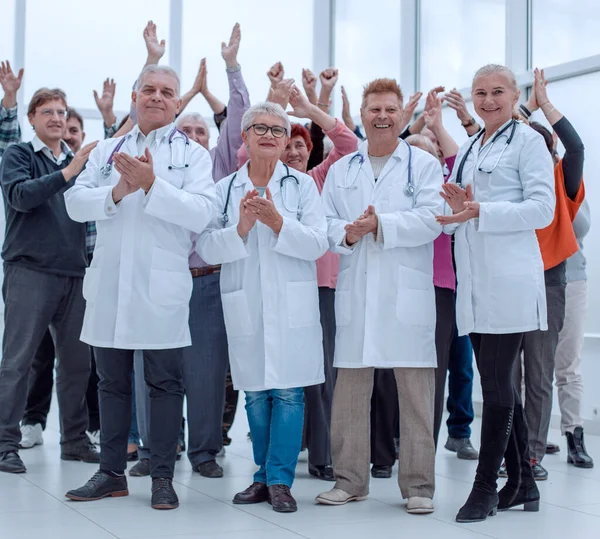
45, 258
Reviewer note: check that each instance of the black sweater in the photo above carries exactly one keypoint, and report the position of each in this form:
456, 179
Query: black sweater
39, 233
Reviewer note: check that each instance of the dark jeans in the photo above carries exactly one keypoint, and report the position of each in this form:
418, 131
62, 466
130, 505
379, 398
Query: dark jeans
33, 302
444, 331
385, 418
460, 387
41, 380
318, 398
163, 375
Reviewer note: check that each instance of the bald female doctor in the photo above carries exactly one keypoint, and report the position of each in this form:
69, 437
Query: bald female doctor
500, 192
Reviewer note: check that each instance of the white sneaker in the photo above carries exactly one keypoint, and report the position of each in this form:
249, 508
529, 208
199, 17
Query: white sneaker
221, 453
94, 436
337, 496
31, 435
419, 506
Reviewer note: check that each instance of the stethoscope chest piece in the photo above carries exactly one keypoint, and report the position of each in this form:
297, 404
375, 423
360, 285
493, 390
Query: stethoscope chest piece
106, 170
409, 190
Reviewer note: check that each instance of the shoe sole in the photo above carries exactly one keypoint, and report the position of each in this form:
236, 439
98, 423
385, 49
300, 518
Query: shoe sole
541, 478
31, 446
139, 474
325, 501
165, 506
421, 510
492, 513
18, 470
464, 457
285, 509
244, 502
116, 494
79, 459
585, 466
316, 474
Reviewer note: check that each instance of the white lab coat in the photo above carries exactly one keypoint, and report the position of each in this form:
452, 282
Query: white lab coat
499, 267
385, 300
139, 284
269, 284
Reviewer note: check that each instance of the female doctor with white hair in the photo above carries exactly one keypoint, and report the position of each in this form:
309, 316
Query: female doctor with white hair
501, 190
269, 232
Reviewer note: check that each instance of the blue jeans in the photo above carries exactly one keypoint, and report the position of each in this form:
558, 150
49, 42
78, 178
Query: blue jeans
276, 418
460, 387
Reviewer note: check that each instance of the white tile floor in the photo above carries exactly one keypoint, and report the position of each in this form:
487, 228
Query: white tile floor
33, 506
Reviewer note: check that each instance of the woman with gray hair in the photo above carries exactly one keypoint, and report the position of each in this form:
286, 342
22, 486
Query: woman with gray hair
269, 232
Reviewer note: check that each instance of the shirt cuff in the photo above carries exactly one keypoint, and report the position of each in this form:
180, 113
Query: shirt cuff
233, 69
8, 113
344, 244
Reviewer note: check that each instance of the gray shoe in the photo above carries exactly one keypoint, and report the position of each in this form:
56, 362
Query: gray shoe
462, 447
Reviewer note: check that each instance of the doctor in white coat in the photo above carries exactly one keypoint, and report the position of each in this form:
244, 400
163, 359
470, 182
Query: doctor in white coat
501, 190
381, 204
146, 191
269, 232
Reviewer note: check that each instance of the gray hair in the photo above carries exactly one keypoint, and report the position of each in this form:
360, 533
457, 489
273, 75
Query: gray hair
157, 69
421, 141
272, 109
194, 116
492, 69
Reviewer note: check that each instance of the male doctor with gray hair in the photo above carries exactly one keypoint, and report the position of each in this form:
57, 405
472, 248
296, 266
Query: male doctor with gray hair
146, 191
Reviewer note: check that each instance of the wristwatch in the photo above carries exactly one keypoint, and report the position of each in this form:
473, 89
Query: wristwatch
469, 123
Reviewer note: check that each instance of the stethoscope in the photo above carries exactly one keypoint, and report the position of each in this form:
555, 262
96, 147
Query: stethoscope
409, 188
288, 176
106, 170
479, 165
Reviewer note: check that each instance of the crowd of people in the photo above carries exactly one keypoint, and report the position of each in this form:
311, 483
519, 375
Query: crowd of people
335, 273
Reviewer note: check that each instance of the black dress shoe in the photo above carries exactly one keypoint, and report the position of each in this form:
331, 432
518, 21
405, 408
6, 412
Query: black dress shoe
322, 472
479, 506
210, 468
552, 449
281, 499
163, 494
133, 456
382, 471
101, 485
10, 462
527, 496
255, 493
84, 451
141, 469
539, 472
578, 455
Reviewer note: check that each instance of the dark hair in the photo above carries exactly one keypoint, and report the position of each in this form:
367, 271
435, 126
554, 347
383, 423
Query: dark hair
545, 133
43, 95
72, 113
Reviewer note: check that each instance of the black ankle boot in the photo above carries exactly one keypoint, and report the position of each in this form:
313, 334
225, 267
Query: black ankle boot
495, 432
520, 489
578, 456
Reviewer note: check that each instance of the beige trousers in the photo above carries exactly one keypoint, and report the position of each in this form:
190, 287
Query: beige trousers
350, 430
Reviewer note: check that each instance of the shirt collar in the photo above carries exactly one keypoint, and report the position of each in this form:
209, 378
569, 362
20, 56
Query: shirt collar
400, 152
39, 146
156, 135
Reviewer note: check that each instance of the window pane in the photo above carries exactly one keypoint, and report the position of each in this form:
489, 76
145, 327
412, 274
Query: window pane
367, 45
267, 37
564, 30
86, 46
7, 30
457, 38
562, 93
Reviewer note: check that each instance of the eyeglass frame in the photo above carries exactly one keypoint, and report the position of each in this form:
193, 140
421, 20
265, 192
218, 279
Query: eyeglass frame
49, 113
268, 128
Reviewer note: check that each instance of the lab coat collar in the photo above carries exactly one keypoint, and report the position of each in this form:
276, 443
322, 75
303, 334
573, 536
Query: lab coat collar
242, 177
159, 134
494, 134
400, 152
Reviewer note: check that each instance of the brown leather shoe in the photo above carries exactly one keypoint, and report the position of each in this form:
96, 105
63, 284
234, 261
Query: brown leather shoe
281, 499
255, 493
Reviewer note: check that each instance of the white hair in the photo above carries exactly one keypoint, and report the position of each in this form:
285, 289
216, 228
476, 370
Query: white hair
194, 116
272, 109
492, 69
157, 69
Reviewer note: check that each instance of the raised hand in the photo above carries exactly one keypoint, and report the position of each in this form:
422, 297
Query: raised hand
433, 108
309, 82
329, 78
456, 101
9, 82
281, 92
275, 74
200, 85
105, 102
247, 216
300, 104
409, 109
229, 51
156, 49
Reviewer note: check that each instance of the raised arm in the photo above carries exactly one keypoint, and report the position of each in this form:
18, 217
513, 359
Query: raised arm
457, 102
105, 104
154, 48
10, 130
433, 121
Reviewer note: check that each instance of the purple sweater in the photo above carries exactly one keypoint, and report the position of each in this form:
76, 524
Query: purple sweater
443, 270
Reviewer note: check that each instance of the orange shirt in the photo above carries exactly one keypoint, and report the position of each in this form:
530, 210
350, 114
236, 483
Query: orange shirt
557, 241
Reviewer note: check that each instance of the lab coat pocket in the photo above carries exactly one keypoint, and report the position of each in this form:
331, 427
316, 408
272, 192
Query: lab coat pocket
170, 287
91, 284
303, 304
237, 314
415, 302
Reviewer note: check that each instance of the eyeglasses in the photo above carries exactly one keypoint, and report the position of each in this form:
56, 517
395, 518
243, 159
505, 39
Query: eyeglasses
262, 129
48, 113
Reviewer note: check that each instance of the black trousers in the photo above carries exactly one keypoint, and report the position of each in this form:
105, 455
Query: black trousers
41, 380
163, 372
319, 398
444, 333
385, 418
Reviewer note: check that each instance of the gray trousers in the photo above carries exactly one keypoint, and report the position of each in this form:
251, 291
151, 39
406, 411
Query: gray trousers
350, 430
539, 349
204, 372
318, 399
33, 302
567, 370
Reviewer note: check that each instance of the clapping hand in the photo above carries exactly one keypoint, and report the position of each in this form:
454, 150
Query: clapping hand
365, 224
247, 216
265, 211
462, 204
136, 171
